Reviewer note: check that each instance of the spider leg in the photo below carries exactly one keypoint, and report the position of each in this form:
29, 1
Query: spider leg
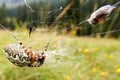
30, 31
30, 65
46, 47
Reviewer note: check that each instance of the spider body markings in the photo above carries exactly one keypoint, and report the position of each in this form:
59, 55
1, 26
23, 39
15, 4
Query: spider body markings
102, 13
21, 56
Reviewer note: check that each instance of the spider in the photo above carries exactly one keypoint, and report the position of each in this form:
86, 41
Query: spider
100, 14
21, 56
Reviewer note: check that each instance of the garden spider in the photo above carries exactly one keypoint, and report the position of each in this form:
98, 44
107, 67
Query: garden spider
21, 56
100, 14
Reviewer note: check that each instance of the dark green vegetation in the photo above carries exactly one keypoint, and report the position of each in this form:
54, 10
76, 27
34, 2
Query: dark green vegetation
69, 57
65, 20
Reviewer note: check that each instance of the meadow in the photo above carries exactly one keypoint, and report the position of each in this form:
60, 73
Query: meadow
68, 57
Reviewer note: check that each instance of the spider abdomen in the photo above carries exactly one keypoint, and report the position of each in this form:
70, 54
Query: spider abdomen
20, 56
16, 54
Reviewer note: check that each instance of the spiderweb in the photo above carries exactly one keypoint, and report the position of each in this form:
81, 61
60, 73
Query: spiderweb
48, 15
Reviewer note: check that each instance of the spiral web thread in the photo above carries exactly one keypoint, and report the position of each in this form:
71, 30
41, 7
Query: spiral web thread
59, 50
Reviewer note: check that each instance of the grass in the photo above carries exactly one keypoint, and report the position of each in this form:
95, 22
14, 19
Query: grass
68, 58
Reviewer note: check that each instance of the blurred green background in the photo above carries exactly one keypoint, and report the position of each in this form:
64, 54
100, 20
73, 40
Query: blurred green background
15, 14
76, 52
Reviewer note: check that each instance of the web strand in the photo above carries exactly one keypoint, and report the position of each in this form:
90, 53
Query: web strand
55, 11
27, 5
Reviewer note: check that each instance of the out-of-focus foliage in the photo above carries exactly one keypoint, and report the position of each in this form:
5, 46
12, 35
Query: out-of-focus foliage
21, 16
87, 58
